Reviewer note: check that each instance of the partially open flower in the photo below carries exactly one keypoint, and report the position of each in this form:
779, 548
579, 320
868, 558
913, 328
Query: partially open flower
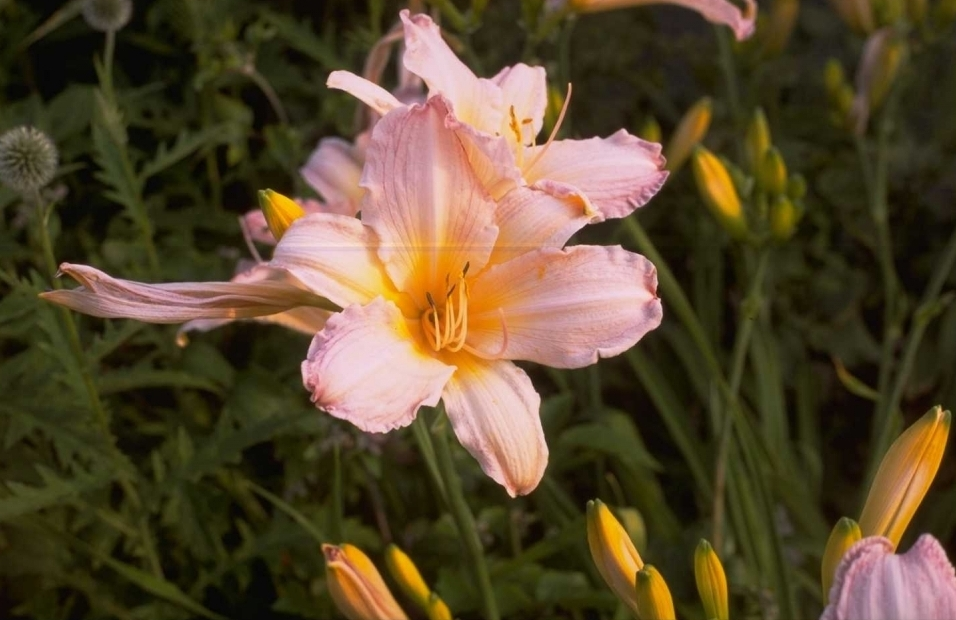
357, 587
28, 159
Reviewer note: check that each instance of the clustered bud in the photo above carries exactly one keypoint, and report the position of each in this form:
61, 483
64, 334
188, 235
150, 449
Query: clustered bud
28, 159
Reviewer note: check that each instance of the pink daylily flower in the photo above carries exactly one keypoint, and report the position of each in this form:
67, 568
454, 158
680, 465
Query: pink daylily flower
440, 288
498, 120
873, 583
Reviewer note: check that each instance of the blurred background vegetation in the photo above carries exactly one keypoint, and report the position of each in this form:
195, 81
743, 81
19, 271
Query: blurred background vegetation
145, 480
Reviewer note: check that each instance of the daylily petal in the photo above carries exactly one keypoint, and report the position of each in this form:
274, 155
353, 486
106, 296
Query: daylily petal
104, 296
617, 174
255, 225
564, 308
424, 202
494, 411
529, 219
492, 158
333, 255
873, 583
715, 11
365, 367
373, 95
475, 100
526, 89
333, 170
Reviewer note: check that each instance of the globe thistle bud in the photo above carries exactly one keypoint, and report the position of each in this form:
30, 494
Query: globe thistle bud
107, 15
28, 159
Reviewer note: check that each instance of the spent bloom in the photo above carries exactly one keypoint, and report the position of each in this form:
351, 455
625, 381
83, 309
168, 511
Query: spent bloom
498, 120
28, 159
439, 288
873, 583
356, 586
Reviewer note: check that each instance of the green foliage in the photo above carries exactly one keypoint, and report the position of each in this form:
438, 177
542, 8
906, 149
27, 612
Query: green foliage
140, 479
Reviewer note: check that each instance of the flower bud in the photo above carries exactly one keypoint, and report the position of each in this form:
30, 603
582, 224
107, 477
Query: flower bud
904, 476
654, 600
357, 587
279, 211
406, 574
718, 192
437, 609
857, 14
882, 58
757, 140
28, 159
613, 552
650, 130
779, 25
833, 78
845, 534
711, 582
107, 15
773, 172
784, 216
690, 131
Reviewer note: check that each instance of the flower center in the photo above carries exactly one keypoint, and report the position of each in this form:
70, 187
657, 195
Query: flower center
445, 324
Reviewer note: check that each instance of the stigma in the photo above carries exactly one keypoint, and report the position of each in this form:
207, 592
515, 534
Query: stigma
445, 322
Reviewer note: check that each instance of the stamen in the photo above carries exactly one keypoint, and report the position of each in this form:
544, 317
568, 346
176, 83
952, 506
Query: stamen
554, 133
447, 327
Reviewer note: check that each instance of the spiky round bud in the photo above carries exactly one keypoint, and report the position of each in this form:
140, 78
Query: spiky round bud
28, 159
107, 15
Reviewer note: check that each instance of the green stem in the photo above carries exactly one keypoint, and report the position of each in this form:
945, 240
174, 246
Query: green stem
108, 53
750, 309
427, 449
464, 520
729, 70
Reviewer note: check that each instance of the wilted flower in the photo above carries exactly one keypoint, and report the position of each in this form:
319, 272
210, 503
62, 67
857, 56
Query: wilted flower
873, 583
28, 159
107, 15
357, 587
498, 120
440, 287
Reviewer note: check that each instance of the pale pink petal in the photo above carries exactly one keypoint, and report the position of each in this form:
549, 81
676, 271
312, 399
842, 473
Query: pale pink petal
526, 89
365, 367
873, 583
430, 213
254, 222
529, 219
715, 11
271, 291
495, 412
334, 255
333, 170
373, 95
492, 158
475, 101
564, 308
305, 320
617, 174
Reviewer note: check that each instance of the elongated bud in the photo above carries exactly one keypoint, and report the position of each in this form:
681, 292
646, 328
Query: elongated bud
357, 587
654, 600
406, 574
280, 211
773, 172
757, 140
779, 25
904, 476
613, 552
784, 217
650, 130
711, 582
718, 192
845, 534
690, 131
437, 609
28, 159
882, 58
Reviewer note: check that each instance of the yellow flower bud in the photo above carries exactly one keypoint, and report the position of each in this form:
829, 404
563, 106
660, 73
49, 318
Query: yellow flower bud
654, 600
833, 78
718, 192
357, 587
613, 552
650, 130
406, 574
757, 140
280, 211
773, 172
778, 27
783, 218
904, 476
711, 582
437, 609
690, 131
845, 534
